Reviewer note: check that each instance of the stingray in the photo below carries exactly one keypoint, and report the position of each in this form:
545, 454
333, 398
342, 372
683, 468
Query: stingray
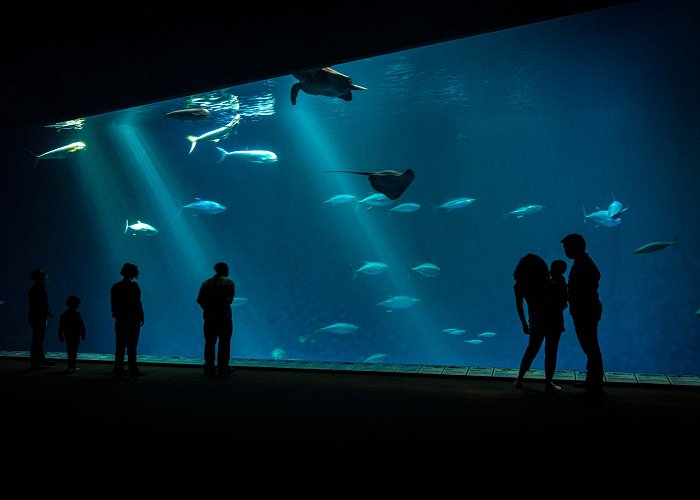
390, 183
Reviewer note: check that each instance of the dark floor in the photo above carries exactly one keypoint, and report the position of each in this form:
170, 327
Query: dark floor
359, 424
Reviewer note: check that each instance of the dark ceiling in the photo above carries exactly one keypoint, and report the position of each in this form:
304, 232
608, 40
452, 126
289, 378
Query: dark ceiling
77, 59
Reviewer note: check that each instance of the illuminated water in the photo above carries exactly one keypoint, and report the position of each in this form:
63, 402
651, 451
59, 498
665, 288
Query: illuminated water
565, 114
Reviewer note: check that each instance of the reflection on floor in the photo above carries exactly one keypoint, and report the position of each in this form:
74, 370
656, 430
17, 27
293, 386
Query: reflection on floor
434, 370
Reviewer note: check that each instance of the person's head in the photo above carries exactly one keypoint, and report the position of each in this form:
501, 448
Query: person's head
574, 245
129, 271
38, 275
557, 267
72, 302
221, 269
531, 268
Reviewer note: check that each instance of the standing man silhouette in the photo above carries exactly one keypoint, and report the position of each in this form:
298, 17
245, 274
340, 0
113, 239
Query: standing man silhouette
215, 298
127, 311
585, 308
39, 314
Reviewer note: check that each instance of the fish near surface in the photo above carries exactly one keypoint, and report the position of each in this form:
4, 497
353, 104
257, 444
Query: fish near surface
60, 153
217, 134
390, 183
188, 114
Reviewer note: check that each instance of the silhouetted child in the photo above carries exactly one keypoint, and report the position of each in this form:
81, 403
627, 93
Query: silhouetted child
71, 329
556, 274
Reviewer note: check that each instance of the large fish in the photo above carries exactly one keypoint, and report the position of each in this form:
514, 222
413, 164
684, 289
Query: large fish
456, 203
376, 200
615, 209
206, 207
371, 268
656, 246
524, 210
427, 269
140, 228
602, 218
60, 153
252, 155
340, 199
337, 328
398, 302
188, 114
217, 134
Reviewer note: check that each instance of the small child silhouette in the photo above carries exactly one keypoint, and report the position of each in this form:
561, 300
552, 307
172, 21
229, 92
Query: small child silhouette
556, 275
71, 329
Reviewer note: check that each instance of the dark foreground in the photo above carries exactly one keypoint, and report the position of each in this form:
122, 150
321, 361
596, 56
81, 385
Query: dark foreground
305, 423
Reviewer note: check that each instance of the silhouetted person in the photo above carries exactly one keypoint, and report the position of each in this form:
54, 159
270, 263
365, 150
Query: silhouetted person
39, 314
71, 329
215, 298
533, 286
585, 308
127, 311
561, 295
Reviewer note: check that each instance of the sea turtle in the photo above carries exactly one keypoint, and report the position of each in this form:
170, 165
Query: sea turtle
324, 81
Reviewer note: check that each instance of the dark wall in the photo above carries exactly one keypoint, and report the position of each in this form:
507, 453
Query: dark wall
84, 58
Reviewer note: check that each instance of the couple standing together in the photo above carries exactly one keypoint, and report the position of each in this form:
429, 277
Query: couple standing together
546, 294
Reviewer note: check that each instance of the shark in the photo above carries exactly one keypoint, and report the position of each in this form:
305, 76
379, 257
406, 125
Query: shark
217, 134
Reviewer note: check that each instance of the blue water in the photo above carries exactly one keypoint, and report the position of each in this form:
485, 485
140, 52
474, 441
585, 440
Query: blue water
569, 114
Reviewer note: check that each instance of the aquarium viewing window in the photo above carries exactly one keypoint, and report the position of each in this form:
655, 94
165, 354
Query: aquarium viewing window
375, 212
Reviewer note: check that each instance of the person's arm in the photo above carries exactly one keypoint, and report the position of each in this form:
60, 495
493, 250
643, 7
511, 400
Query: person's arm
521, 310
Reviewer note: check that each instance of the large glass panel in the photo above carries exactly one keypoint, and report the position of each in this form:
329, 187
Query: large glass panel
536, 129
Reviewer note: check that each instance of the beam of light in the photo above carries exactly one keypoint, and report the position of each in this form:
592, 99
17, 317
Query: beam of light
194, 247
188, 252
309, 131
